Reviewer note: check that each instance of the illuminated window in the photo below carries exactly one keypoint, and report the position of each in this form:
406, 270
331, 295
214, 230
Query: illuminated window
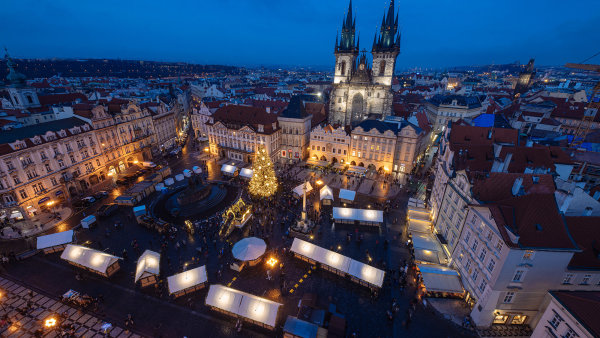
500, 319
518, 319
528, 255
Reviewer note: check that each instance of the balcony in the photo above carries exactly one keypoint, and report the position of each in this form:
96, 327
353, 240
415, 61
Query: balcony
41, 192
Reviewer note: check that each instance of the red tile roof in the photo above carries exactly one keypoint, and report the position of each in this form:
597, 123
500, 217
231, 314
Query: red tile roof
469, 135
498, 186
583, 305
68, 98
586, 233
235, 116
534, 218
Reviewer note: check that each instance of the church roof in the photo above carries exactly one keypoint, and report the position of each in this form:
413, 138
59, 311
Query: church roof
295, 110
381, 126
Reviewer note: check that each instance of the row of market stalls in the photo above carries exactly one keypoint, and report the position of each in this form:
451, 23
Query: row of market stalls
430, 257
341, 265
326, 193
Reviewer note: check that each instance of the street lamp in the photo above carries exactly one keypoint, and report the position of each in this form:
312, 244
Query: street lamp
50, 323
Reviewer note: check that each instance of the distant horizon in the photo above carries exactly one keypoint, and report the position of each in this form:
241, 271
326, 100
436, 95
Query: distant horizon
283, 66
436, 34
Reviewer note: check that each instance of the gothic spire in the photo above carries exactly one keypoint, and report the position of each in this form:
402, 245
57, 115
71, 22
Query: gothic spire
347, 43
14, 77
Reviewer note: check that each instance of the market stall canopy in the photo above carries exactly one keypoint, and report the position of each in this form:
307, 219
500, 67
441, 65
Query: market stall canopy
187, 279
422, 215
169, 181
159, 186
415, 225
300, 328
299, 190
347, 195
247, 173
139, 210
438, 278
326, 193
197, 169
425, 241
243, 304
428, 256
89, 258
249, 249
361, 215
51, 240
148, 263
366, 272
340, 262
187, 173
228, 169
179, 177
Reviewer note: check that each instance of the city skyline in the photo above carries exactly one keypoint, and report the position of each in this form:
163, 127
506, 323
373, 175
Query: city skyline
161, 32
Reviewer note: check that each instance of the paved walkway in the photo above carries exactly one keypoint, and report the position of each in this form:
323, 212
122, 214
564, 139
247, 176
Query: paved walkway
39, 224
15, 297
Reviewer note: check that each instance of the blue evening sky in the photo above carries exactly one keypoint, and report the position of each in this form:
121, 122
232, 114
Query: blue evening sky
435, 33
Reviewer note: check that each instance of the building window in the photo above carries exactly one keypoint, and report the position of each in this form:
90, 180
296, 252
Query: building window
500, 319
482, 285
586, 280
474, 247
555, 322
491, 264
499, 245
570, 333
568, 278
475, 275
528, 255
467, 237
518, 319
53, 181
23, 194
482, 254
508, 297
518, 277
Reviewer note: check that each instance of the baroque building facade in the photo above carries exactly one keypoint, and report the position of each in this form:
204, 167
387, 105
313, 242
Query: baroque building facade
360, 90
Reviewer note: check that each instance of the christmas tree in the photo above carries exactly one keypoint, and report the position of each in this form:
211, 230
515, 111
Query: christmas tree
263, 182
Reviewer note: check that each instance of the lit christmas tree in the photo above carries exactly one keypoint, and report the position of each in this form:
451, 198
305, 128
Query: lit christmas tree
264, 181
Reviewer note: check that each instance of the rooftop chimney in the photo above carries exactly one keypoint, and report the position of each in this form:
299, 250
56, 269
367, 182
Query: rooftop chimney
506, 162
517, 186
565, 204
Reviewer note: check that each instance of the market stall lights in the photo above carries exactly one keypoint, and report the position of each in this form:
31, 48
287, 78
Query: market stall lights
224, 298
97, 260
272, 261
76, 252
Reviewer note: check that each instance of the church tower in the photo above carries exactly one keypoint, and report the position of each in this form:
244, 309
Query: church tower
386, 47
346, 50
525, 80
21, 96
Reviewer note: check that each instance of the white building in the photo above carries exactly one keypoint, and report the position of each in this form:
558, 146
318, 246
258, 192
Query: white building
569, 314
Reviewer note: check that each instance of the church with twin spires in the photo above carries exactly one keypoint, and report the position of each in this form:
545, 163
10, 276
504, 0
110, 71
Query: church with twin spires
360, 90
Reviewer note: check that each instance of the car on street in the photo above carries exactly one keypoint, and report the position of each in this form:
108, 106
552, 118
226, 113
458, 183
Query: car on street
89, 200
107, 210
101, 194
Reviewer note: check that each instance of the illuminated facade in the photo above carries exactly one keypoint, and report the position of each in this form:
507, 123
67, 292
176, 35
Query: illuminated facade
359, 90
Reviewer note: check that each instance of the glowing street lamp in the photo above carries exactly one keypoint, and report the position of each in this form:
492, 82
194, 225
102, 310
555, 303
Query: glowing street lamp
50, 322
272, 262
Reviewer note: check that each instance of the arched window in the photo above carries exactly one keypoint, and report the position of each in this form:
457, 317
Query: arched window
382, 68
343, 68
29, 99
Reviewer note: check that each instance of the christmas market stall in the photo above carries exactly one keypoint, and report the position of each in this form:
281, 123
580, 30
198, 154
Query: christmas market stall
228, 169
326, 195
360, 216
250, 308
54, 242
347, 196
440, 281
366, 275
187, 281
299, 190
148, 268
246, 173
91, 260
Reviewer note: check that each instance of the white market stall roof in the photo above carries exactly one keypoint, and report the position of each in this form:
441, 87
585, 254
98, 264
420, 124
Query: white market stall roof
366, 272
51, 240
326, 193
418, 214
187, 279
90, 258
299, 190
159, 186
439, 278
179, 177
425, 241
362, 215
148, 263
427, 256
243, 304
187, 173
228, 169
169, 181
340, 262
415, 225
249, 249
247, 173
347, 195
197, 169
